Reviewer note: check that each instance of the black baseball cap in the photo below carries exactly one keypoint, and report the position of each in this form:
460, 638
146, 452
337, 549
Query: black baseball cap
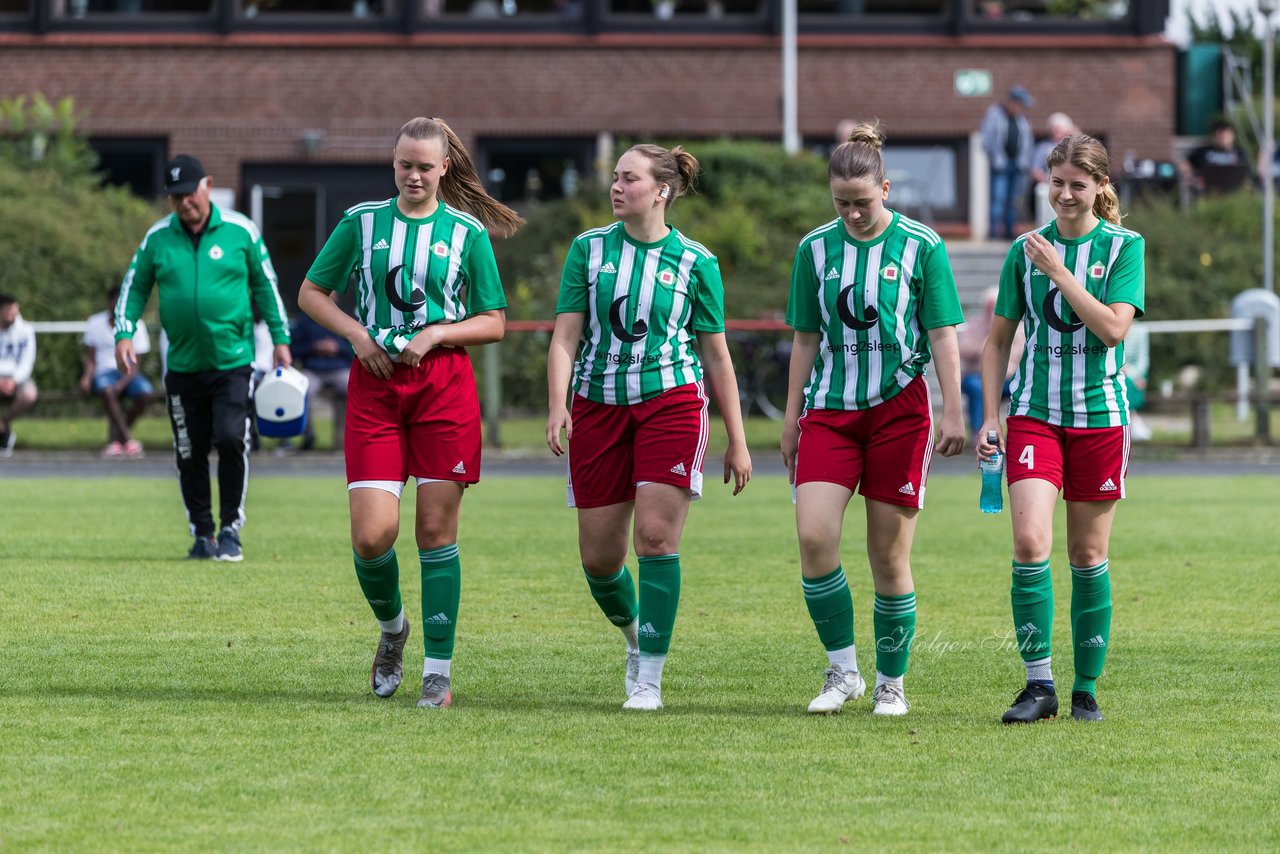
182, 175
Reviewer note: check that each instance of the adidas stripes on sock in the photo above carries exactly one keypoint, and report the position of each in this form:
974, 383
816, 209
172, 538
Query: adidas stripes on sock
616, 596
1032, 598
830, 607
379, 578
894, 619
1090, 622
441, 588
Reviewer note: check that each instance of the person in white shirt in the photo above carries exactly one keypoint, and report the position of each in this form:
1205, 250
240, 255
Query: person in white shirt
101, 377
17, 360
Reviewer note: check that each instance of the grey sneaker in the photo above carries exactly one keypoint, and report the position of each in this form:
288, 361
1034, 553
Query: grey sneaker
229, 546
633, 670
840, 687
204, 548
889, 700
435, 692
385, 676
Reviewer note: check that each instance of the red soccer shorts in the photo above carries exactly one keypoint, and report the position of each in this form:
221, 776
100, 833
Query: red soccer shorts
1086, 463
423, 422
614, 448
886, 448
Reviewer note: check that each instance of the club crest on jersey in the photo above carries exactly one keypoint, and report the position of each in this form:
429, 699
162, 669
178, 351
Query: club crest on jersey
215, 252
441, 249
890, 273
667, 277
1097, 271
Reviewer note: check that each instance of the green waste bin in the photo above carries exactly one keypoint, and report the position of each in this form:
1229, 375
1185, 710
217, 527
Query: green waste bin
1199, 88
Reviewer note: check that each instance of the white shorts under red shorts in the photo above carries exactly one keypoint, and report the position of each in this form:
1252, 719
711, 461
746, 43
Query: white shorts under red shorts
423, 422
616, 447
882, 452
1086, 463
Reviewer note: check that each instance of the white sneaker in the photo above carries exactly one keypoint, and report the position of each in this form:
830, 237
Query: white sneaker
633, 670
645, 697
889, 700
841, 687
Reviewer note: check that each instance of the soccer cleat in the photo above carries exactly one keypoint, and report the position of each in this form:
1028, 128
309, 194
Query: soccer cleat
229, 546
841, 687
113, 450
8, 439
385, 676
435, 692
1084, 707
633, 670
133, 449
204, 548
645, 698
1036, 702
889, 700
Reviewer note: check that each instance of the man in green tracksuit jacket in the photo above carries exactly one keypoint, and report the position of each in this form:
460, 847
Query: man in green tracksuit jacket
210, 267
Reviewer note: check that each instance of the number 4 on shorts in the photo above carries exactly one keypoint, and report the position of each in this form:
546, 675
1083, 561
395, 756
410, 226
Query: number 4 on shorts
1028, 457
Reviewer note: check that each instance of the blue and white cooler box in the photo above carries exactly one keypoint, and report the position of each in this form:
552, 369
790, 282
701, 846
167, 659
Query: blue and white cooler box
281, 401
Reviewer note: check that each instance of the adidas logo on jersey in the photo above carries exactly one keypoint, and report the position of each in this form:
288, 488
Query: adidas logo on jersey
647, 631
679, 469
1036, 271
381, 244
609, 268
1095, 642
832, 274
459, 468
1028, 629
1109, 486
907, 489
439, 620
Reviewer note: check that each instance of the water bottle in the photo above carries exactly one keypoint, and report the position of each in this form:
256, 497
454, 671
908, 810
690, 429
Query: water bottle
992, 499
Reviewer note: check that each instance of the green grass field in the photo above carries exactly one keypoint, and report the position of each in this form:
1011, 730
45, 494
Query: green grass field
147, 703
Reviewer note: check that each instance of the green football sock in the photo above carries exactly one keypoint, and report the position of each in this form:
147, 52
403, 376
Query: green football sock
1032, 598
1090, 622
615, 594
895, 624
659, 598
380, 580
831, 608
441, 586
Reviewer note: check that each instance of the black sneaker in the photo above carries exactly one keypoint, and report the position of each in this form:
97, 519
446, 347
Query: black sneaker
204, 548
385, 676
229, 546
1035, 703
1084, 707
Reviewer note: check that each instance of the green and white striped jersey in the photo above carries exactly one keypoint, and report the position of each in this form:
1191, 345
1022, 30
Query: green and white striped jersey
410, 273
873, 302
643, 303
1067, 376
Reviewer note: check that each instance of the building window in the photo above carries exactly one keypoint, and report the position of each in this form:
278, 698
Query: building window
1032, 11
133, 162
15, 7
878, 8
482, 10
93, 8
531, 170
326, 8
665, 10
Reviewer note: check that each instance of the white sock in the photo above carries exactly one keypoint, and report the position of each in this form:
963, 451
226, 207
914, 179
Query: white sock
1038, 671
651, 668
436, 665
395, 625
881, 679
629, 631
846, 658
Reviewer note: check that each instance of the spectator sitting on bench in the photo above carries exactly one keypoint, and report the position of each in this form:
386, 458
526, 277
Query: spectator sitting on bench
101, 377
1221, 165
326, 360
17, 359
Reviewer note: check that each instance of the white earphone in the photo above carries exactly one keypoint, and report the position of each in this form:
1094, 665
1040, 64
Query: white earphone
666, 191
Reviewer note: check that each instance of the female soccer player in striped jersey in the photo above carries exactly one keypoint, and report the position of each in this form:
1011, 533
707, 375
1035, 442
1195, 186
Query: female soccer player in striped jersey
872, 295
426, 287
1076, 285
633, 297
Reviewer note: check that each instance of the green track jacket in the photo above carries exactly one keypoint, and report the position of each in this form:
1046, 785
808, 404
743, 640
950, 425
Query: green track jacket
205, 291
